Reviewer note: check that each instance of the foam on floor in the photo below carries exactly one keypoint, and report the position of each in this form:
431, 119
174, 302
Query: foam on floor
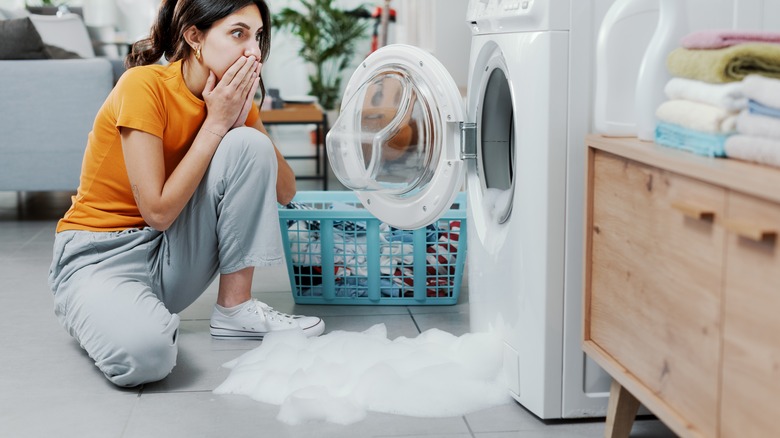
340, 376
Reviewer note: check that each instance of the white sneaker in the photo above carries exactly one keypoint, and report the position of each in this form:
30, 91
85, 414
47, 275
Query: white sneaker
254, 319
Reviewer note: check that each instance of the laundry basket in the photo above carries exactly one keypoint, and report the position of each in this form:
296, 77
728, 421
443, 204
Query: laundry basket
339, 253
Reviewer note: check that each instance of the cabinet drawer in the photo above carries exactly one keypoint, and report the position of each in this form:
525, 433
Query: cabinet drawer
751, 342
654, 294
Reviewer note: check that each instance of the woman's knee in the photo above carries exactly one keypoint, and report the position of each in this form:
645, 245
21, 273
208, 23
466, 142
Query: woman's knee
142, 357
247, 141
245, 153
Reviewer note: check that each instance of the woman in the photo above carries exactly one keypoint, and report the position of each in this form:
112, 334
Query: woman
179, 182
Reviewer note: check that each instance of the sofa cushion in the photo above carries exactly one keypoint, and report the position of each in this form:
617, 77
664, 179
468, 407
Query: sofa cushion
54, 52
20, 40
67, 31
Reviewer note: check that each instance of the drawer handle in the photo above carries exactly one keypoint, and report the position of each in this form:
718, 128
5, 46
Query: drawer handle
750, 231
694, 211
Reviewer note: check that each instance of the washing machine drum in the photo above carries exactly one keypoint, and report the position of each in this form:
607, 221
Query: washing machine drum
396, 142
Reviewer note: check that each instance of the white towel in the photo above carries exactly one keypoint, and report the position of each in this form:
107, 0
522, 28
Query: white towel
758, 125
755, 149
728, 96
762, 89
698, 116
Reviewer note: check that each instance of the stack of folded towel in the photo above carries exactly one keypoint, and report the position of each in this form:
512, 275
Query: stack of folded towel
706, 93
758, 126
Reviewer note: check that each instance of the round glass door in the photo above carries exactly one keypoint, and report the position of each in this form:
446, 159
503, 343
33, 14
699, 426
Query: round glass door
386, 134
396, 142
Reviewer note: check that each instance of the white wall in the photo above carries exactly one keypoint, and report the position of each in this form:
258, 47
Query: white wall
725, 14
438, 26
758, 14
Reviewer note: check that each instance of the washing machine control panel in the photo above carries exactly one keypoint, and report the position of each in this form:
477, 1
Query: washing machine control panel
508, 16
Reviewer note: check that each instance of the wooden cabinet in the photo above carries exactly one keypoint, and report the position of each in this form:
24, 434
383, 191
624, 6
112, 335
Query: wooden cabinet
751, 336
682, 287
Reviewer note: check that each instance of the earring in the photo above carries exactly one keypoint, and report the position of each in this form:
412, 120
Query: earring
197, 54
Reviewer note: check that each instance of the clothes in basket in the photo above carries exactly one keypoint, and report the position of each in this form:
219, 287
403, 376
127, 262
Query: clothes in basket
396, 261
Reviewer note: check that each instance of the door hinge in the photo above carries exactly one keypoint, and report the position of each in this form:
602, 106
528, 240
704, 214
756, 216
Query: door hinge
468, 141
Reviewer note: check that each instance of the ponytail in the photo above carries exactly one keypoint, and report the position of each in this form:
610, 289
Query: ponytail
160, 41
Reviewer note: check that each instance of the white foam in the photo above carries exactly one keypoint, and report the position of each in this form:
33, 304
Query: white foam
495, 202
340, 376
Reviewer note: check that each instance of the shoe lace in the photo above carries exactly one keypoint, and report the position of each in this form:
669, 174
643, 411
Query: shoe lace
268, 312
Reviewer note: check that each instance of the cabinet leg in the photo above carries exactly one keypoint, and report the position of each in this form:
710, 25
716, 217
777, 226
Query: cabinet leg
621, 412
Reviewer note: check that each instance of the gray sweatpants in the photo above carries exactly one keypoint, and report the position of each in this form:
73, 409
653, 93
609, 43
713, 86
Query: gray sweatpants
117, 293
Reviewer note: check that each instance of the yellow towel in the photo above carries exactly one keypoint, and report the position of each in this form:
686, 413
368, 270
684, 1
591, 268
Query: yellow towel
726, 65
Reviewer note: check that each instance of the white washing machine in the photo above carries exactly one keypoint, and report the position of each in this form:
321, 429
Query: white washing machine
406, 143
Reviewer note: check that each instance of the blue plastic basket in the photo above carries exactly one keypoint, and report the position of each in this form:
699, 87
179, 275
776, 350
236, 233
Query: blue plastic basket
339, 253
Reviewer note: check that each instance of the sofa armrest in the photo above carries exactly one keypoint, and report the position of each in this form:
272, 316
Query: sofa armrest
47, 109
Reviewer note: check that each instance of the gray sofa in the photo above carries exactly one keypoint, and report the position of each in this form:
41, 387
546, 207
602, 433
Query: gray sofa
47, 108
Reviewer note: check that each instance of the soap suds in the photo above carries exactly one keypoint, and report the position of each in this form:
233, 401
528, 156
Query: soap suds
340, 376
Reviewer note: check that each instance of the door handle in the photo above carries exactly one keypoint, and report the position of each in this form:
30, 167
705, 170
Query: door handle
750, 231
694, 211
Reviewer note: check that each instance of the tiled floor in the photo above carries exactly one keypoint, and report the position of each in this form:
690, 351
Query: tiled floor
50, 388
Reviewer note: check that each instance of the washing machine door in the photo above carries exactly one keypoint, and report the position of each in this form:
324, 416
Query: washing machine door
397, 141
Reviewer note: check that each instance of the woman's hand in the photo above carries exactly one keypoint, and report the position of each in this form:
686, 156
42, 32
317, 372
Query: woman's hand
229, 101
250, 98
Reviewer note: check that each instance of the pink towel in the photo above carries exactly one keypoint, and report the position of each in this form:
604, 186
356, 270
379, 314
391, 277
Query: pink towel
718, 39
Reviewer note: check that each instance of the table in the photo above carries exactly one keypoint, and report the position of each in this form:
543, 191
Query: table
304, 114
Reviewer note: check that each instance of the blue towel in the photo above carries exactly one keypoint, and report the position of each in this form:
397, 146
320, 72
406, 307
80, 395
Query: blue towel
407, 236
759, 108
701, 143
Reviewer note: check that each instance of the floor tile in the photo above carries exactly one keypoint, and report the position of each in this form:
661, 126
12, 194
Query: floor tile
284, 302
455, 323
175, 415
66, 415
434, 435
200, 359
503, 418
397, 325
50, 387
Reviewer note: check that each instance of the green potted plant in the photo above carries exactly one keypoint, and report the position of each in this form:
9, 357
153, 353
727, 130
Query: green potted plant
329, 37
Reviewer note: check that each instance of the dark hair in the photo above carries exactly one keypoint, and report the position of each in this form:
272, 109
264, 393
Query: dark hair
166, 37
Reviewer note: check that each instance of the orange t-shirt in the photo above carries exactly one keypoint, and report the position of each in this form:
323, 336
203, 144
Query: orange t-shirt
153, 99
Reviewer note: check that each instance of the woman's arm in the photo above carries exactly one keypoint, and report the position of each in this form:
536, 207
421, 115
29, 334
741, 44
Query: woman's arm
160, 201
285, 178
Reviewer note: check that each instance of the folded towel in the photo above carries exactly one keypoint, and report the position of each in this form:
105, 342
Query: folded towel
755, 149
725, 65
762, 89
698, 116
717, 39
675, 136
758, 125
757, 108
728, 96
